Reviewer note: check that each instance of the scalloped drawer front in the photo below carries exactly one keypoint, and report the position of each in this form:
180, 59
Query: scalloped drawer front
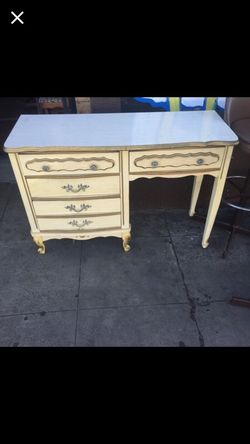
80, 223
175, 160
74, 187
61, 164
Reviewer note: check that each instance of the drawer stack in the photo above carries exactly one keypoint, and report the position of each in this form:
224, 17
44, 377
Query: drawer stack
73, 192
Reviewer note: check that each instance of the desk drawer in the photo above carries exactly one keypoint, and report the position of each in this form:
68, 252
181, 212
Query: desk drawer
75, 163
80, 223
72, 187
76, 207
176, 160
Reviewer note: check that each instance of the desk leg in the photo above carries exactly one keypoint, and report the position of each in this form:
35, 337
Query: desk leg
195, 194
126, 239
39, 242
124, 166
219, 183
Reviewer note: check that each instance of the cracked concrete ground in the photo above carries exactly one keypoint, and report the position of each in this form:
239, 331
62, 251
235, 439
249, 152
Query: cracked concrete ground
166, 292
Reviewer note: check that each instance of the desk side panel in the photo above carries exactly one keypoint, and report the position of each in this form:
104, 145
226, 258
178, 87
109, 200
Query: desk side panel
23, 189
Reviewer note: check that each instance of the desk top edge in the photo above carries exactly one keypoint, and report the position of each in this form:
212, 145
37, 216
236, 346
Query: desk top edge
62, 149
119, 131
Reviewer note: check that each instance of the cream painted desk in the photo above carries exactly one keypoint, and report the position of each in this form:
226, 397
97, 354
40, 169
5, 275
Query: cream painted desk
73, 171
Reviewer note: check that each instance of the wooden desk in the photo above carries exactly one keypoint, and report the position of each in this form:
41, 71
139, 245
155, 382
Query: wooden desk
73, 171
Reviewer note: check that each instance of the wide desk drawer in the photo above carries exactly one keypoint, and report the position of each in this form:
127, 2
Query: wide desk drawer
65, 164
67, 187
176, 160
76, 207
80, 223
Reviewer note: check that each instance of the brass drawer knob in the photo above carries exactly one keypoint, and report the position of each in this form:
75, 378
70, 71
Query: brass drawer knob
200, 161
93, 167
46, 168
154, 164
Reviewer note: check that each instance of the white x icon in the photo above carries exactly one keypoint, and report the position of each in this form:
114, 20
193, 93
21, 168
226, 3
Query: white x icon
17, 17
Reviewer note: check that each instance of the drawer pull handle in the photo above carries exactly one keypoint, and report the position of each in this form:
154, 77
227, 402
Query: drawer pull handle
93, 167
70, 188
46, 168
154, 164
200, 161
83, 207
85, 223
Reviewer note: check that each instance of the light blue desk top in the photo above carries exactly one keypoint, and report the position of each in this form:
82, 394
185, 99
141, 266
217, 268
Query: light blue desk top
125, 130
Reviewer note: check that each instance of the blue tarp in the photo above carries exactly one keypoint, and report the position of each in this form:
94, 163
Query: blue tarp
185, 103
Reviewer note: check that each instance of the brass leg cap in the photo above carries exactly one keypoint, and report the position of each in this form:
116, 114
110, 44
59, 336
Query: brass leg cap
126, 248
41, 250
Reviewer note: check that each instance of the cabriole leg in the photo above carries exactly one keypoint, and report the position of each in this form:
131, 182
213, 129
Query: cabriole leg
126, 239
39, 242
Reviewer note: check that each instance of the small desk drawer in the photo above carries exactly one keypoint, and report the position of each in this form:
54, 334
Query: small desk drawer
72, 187
80, 223
76, 207
65, 164
176, 160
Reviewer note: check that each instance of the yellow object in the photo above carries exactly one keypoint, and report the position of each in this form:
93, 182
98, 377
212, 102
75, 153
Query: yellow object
174, 103
211, 103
